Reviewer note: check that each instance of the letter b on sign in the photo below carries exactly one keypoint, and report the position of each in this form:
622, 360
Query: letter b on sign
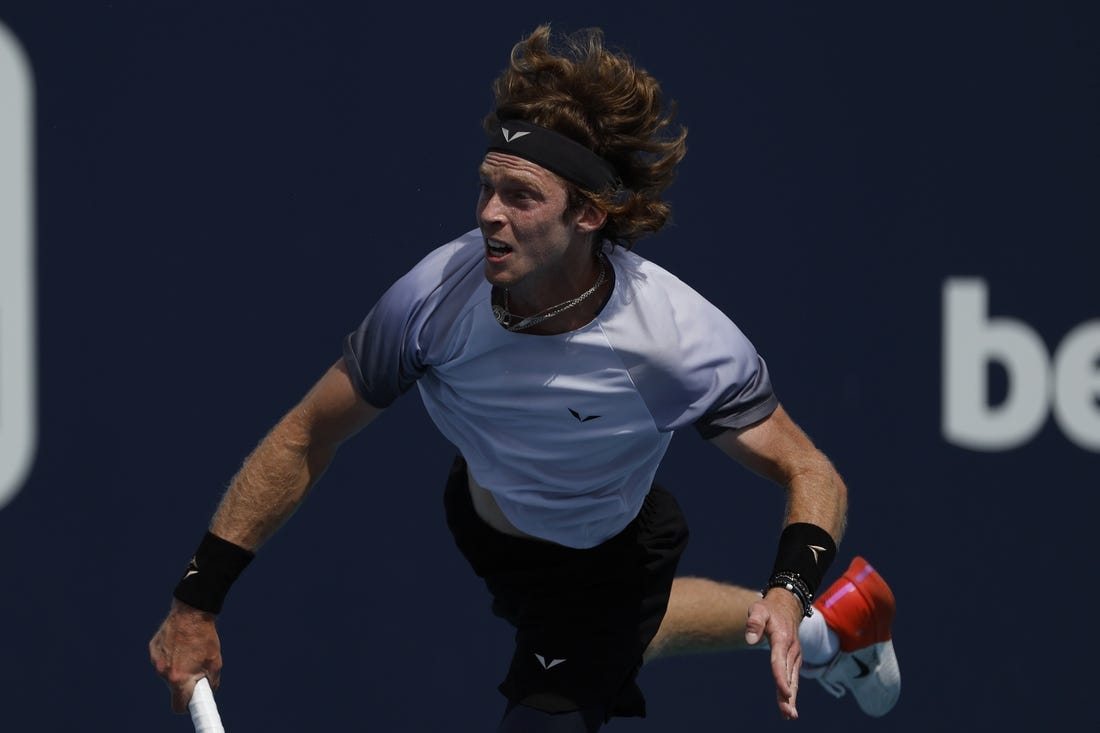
1070, 382
17, 383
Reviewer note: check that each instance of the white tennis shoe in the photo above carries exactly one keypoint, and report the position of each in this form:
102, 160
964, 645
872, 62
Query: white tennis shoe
860, 607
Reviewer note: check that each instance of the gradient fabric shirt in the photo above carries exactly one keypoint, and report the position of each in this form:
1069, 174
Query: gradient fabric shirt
565, 430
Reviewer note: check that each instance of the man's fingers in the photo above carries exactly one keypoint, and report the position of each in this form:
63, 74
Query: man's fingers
781, 669
181, 694
786, 684
754, 627
786, 660
793, 663
787, 706
184, 650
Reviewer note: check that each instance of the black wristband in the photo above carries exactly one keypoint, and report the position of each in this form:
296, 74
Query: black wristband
216, 564
805, 553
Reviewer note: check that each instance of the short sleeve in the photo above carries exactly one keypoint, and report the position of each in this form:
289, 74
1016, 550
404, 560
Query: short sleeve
381, 354
745, 402
393, 346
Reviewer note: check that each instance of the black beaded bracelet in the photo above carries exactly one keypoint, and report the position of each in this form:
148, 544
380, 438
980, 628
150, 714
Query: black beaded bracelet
794, 583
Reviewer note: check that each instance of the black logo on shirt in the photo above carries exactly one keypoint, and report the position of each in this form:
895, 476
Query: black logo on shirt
577, 415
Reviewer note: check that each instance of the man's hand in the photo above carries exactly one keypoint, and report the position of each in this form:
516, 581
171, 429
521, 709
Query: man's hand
776, 617
184, 650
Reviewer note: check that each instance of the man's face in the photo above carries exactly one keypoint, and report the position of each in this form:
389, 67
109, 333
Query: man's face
531, 247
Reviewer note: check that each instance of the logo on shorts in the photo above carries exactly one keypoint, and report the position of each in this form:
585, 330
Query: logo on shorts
548, 664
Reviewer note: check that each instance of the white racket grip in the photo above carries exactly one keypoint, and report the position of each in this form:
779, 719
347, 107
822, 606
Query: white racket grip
204, 712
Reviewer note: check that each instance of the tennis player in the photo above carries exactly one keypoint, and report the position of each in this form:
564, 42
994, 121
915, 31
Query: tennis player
560, 363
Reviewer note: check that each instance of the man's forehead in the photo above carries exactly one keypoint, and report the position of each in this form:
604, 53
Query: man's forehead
512, 166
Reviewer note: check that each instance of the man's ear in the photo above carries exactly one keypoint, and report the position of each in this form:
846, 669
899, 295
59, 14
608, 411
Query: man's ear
591, 218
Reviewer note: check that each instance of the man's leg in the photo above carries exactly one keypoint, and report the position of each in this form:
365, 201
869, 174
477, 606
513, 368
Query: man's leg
850, 635
703, 616
707, 616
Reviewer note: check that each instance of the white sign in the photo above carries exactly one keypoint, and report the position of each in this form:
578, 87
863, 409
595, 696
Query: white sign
1066, 382
18, 431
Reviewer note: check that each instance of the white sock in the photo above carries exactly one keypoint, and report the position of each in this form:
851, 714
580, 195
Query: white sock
819, 643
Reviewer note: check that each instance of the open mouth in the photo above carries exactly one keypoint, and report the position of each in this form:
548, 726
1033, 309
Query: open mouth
497, 249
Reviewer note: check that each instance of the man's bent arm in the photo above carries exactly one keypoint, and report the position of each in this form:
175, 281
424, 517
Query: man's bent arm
777, 449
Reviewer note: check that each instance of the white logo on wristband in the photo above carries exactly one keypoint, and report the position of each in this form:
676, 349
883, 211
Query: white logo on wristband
816, 549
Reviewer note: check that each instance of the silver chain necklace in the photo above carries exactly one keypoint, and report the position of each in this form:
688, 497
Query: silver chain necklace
504, 316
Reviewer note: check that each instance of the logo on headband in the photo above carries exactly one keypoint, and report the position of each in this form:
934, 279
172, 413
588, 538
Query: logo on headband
509, 136
555, 152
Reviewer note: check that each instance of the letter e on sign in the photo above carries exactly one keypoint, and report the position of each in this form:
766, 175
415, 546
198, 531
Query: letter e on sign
18, 430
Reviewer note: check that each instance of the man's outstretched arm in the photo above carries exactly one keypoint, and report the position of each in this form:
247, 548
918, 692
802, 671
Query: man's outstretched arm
271, 484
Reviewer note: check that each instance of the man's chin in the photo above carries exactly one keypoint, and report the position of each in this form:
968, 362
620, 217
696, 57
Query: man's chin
497, 276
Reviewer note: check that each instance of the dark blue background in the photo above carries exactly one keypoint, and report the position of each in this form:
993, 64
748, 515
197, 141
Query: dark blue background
225, 188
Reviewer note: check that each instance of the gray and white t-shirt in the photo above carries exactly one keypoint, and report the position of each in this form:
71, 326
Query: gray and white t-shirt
565, 430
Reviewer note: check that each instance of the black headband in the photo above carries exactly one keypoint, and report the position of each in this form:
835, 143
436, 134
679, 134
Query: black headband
554, 152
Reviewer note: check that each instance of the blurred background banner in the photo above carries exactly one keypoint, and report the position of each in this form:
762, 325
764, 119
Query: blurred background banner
897, 202
17, 280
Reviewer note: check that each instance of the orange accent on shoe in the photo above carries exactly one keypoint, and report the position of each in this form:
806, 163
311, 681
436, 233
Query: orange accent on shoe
859, 607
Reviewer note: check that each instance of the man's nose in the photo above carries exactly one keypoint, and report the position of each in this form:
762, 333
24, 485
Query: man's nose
490, 210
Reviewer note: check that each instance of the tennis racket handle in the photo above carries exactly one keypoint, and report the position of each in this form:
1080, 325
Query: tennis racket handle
204, 711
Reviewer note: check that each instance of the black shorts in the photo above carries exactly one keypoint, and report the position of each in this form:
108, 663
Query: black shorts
583, 618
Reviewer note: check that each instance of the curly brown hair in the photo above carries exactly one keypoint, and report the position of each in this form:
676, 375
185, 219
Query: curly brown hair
603, 100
